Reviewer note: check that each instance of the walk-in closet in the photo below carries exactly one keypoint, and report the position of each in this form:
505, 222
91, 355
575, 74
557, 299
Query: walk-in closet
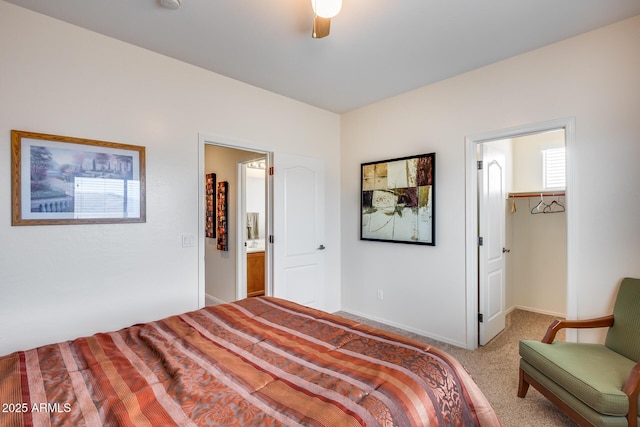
536, 223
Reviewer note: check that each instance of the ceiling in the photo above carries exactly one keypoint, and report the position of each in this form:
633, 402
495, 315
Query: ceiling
376, 49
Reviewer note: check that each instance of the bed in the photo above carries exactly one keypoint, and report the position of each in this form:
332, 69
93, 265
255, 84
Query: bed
261, 361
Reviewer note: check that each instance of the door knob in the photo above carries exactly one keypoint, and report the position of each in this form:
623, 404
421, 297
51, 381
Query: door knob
321, 248
505, 250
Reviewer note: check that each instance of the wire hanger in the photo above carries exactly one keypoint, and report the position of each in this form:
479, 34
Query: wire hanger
554, 207
540, 207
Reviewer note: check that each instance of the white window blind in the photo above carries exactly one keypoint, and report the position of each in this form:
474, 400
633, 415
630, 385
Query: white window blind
106, 198
553, 166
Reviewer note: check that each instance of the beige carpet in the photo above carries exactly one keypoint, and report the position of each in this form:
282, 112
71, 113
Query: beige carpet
494, 367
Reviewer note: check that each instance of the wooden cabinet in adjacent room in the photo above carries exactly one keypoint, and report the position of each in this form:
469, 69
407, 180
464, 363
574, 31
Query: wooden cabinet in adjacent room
255, 274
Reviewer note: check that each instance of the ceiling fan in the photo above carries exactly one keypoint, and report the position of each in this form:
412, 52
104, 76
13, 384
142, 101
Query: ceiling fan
323, 11
171, 4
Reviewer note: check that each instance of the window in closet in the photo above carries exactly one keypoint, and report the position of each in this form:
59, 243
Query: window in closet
553, 167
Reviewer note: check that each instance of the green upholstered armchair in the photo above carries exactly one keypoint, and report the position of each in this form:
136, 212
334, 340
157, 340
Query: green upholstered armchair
594, 384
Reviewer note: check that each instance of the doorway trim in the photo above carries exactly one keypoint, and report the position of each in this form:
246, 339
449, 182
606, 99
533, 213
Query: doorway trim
471, 217
208, 139
241, 249
241, 220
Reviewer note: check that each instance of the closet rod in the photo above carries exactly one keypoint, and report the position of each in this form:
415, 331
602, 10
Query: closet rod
539, 194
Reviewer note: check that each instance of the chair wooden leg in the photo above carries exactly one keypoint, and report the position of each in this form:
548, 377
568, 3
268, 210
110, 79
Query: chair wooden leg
526, 380
632, 416
523, 386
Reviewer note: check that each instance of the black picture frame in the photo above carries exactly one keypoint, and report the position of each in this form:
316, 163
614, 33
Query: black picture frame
398, 200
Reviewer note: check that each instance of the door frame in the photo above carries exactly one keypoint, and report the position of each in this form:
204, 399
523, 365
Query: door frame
208, 139
471, 218
241, 220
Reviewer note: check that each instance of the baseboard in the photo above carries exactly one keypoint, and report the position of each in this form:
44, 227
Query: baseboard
539, 311
405, 327
210, 300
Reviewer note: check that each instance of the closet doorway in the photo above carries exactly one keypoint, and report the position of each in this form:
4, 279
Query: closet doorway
526, 231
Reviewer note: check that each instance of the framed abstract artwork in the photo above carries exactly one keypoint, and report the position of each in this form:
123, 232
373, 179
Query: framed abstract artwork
398, 200
58, 180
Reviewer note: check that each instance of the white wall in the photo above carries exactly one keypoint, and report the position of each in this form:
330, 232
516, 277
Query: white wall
538, 260
527, 159
59, 282
595, 78
255, 196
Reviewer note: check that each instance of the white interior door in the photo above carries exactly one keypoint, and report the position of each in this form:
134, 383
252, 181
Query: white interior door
491, 263
299, 229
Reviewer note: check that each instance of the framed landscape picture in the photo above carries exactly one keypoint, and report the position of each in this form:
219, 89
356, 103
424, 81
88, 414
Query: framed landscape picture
398, 200
58, 180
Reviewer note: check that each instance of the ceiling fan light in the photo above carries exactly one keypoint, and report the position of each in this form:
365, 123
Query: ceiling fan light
171, 4
326, 8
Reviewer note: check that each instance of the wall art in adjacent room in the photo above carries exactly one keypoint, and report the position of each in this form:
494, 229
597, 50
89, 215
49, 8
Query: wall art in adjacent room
221, 212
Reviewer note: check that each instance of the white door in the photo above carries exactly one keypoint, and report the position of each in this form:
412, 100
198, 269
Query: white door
491, 262
299, 230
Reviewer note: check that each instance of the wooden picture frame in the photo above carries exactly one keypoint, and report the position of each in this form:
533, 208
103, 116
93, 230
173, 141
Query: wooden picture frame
59, 180
398, 200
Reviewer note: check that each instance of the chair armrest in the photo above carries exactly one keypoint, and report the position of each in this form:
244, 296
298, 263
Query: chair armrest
632, 389
599, 322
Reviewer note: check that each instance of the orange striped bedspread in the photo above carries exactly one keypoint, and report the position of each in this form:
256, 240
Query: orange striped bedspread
257, 362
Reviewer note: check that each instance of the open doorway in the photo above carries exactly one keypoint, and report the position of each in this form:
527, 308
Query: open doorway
222, 272
522, 220
515, 241
252, 220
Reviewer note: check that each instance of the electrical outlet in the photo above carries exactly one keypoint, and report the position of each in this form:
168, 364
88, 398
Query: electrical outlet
380, 294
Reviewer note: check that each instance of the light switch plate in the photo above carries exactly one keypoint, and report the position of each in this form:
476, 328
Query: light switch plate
188, 240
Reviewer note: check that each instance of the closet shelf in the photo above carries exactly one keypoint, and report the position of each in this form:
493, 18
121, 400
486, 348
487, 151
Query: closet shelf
536, 194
